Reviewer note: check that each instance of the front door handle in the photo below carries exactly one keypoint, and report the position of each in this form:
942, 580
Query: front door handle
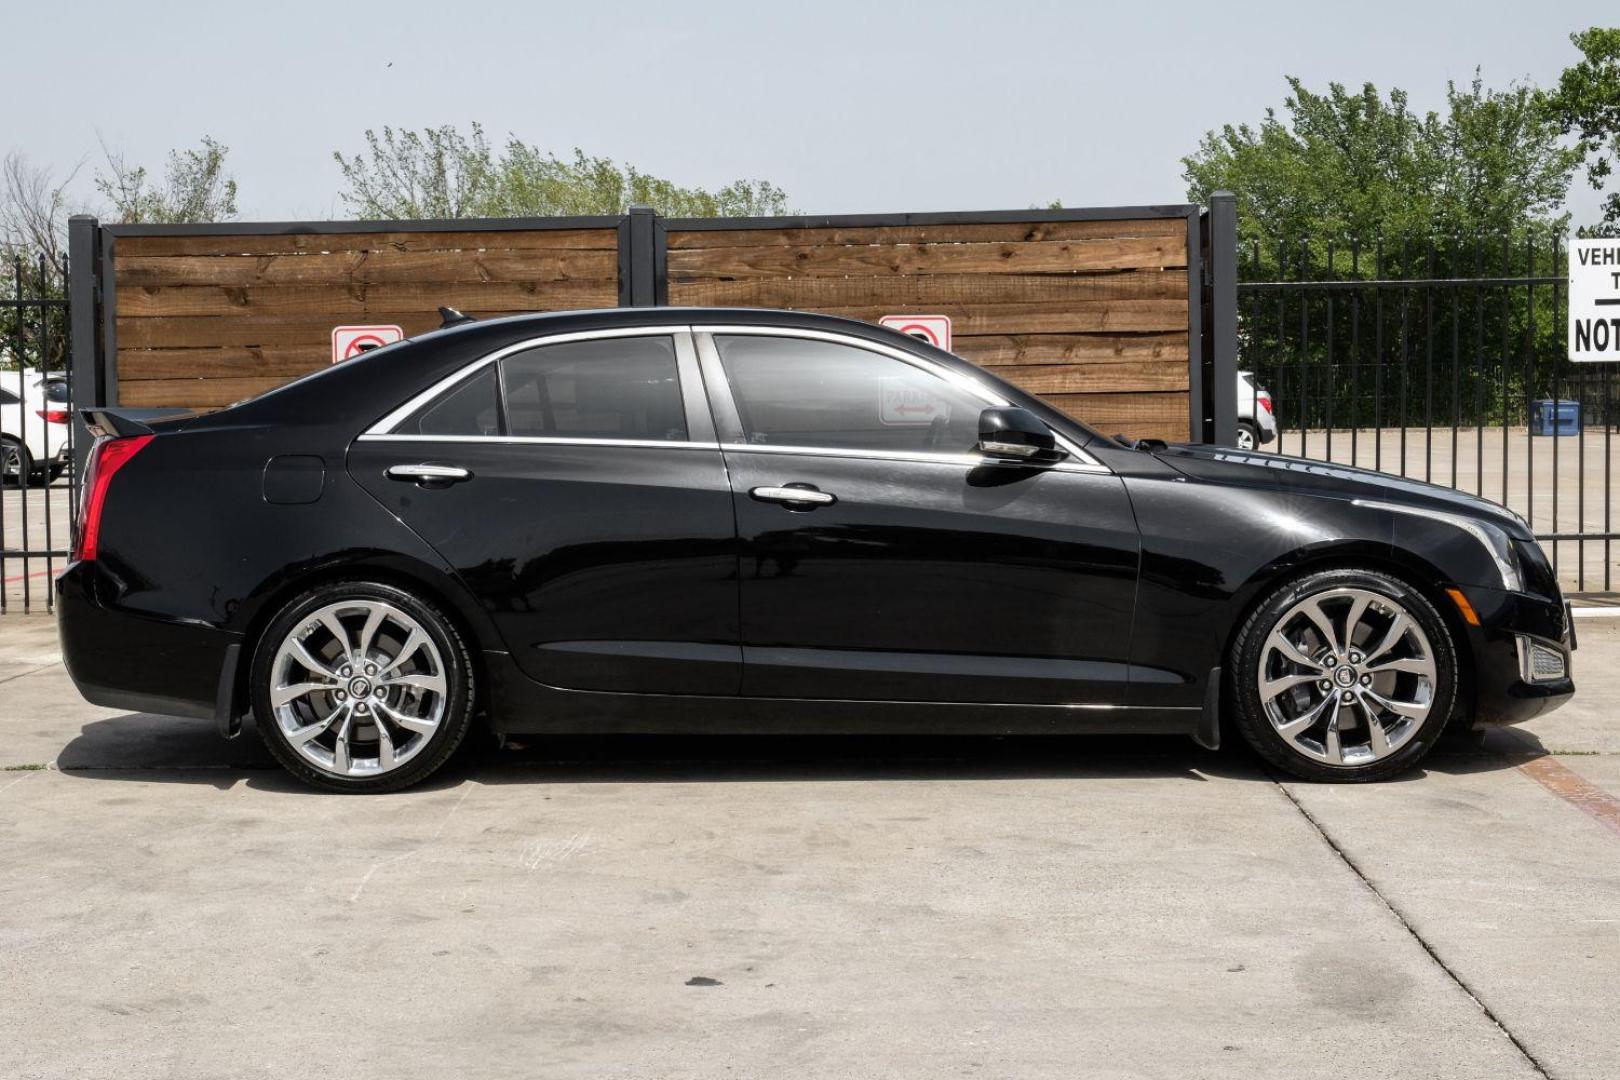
426, 475
795, 498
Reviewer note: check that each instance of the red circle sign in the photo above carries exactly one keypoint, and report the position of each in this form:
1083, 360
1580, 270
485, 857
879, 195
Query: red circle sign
363, 343
921, 331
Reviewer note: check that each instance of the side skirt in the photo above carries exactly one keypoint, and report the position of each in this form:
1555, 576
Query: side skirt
520, 706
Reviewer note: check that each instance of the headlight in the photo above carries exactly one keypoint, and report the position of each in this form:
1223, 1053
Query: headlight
1494, 540
1535, 571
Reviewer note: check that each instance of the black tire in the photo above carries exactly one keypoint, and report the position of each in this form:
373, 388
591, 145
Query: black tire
24, 462
1249, 431
1248, 652
457, 670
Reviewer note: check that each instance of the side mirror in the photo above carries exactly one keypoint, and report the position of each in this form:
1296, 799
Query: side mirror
1009, 433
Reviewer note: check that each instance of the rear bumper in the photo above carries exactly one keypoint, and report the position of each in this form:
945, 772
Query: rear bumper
142, 662
1502, 692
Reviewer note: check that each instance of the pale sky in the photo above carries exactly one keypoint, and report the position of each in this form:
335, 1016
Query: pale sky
850, 106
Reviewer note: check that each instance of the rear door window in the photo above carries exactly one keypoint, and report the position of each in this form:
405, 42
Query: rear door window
609, 388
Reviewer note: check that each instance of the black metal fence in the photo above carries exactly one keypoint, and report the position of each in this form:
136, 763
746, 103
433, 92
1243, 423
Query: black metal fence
1442, 360
38, 499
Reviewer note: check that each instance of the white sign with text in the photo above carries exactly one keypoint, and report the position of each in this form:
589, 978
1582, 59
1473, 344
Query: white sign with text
1594, 300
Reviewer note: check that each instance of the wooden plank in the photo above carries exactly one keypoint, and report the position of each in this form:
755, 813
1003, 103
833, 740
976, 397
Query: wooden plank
1114, 316
1153, 416
347, 303
1009, 258
998, 350
256, 330
929, 289
284, 362
1098, 378
293, 243
993, 233
1108, 316
344, 267
193, 393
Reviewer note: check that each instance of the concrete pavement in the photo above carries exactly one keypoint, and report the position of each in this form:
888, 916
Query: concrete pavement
174, 906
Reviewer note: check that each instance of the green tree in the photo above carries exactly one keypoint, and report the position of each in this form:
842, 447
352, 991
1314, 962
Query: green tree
1587, 105
1351, 164
195, 187
443, 173
34, 207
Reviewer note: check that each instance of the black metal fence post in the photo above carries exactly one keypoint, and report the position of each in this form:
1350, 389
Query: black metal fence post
643, 259
1221, 385
85, 383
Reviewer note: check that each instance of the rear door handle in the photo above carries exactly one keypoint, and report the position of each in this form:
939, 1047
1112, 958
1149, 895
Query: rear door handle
428, 475
802, 498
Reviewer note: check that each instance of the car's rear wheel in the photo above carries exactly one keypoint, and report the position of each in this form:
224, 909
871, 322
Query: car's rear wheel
16, 464
360, 686
1344, 675
1248, 436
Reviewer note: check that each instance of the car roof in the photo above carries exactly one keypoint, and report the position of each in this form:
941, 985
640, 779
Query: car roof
549, 321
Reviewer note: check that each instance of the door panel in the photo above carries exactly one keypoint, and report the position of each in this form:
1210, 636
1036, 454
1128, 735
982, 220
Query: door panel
605, 567
934, 580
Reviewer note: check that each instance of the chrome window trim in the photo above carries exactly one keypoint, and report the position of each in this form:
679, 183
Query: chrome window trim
1082, 461
923, 456
386, 425
542, 440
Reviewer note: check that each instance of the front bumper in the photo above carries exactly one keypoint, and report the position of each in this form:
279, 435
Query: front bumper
1504, 692
138, 661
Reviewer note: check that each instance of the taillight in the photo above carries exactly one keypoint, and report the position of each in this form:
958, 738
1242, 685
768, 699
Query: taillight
107, 456
54, 416
1265, 402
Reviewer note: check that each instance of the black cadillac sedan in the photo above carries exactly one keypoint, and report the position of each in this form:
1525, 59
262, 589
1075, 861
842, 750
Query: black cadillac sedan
713, 520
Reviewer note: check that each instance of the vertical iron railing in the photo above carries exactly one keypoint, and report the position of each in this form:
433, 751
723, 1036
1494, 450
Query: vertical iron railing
39, 494
1443, 360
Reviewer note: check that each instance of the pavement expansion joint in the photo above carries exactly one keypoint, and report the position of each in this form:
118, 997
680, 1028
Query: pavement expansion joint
1461, 984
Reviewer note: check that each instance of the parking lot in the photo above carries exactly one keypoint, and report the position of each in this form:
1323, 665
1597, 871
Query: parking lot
174, 905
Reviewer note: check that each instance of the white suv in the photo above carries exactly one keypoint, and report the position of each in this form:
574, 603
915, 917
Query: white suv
34, 420
1257, 424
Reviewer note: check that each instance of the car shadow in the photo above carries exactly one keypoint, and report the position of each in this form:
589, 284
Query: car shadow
1480, 751
164, 749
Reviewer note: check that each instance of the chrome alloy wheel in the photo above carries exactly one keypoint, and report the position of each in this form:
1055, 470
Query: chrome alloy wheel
358, 688
11, 462
1347, 676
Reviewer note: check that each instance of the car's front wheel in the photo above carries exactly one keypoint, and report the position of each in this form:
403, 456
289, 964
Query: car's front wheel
1344, 675
360, 686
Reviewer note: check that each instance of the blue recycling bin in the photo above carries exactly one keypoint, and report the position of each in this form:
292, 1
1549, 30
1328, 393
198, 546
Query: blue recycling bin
1548, 417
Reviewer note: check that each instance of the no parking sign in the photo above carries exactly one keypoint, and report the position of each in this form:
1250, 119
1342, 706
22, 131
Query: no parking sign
934, 329
350, 341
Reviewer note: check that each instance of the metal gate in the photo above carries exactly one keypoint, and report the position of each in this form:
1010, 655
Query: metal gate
39, 498
1442, 360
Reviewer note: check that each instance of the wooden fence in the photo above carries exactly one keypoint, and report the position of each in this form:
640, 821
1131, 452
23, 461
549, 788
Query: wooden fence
202, 321
1092, 309
1091, 315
